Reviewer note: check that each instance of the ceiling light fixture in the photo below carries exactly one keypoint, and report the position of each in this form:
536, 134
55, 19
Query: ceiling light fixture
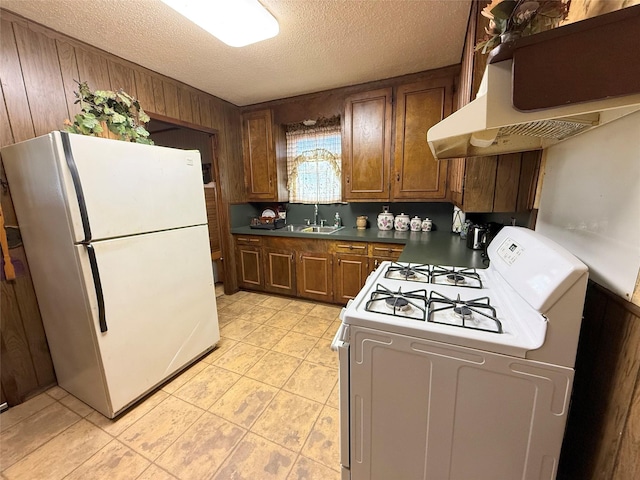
235, 22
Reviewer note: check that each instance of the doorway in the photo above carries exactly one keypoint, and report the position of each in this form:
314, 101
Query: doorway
176, 136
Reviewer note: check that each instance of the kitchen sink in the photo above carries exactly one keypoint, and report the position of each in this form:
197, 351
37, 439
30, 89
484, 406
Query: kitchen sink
324, 230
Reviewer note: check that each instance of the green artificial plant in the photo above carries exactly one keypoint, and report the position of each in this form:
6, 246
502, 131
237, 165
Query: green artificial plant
118, 111
520, 18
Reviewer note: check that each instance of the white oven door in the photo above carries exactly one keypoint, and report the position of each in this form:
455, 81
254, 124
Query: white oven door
425, 410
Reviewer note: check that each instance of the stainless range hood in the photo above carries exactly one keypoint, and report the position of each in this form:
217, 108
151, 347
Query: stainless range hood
490, 125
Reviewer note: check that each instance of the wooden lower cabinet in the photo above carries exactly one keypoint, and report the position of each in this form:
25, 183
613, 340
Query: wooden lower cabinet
249, 262
381, 252
322, 270
279, 271
349, 275
314, 276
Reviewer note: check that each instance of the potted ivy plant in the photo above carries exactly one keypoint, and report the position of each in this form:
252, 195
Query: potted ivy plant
118, 112
511, 19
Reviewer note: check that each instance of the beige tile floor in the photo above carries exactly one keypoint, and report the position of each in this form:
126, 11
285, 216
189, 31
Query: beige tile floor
262, 405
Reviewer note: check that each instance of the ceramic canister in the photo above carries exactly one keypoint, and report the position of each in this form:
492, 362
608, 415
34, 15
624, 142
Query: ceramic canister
402, 222
385, 219
416, 224
427, 225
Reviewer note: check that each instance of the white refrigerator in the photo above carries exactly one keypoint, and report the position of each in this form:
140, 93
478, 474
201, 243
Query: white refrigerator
117, 243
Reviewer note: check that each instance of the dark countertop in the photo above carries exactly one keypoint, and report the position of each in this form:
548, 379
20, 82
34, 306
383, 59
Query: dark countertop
436, 247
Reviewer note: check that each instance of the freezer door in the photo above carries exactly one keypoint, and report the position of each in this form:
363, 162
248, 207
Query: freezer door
159, 307
116, 188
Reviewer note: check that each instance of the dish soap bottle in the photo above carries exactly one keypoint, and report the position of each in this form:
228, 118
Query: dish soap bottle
337, 222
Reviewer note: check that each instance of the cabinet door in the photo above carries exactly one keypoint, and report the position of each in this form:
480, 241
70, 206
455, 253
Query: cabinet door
417, 175
313, 276
249, 264
212, 222
383, 252
374, 262
259, 156
366, 146
279, 272
349, 275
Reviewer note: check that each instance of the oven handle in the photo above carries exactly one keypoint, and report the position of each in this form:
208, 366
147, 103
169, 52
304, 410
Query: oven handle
340, 344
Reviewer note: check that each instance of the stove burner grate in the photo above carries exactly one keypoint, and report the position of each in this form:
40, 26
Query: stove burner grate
460, 277
415, 273
456, 279
465, 310
411, 305
397, 302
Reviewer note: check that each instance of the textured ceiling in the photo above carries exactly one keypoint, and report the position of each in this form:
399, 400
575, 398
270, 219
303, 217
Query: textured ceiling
322, 44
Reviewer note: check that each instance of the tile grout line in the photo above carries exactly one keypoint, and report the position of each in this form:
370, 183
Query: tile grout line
203, 411
25, 455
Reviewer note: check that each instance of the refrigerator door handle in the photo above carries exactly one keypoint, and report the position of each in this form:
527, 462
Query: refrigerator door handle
77, 185
93, 261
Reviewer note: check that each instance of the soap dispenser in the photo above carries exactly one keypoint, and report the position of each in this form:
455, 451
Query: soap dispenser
337, 222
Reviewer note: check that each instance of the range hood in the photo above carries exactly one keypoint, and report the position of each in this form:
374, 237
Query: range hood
491, 125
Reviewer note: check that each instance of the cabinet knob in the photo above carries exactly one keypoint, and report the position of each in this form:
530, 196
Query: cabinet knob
397, 177
347, 179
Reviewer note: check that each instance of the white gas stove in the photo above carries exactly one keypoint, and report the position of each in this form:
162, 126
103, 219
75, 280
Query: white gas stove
432, 352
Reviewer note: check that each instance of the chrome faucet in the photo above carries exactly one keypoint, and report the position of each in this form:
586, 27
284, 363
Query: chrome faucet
315, 214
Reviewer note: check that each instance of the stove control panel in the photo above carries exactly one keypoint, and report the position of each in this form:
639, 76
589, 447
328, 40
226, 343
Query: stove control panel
509, 250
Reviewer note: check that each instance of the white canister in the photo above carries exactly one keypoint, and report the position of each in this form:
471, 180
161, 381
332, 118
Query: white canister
427, 225
416, 224
385, 219
402, 222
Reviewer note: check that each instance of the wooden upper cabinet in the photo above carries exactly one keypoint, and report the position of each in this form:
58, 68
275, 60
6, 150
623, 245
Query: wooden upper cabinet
417, 175
366, 146
259, 156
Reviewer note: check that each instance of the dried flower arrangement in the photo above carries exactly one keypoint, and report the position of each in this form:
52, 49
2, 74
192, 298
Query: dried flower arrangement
510, 19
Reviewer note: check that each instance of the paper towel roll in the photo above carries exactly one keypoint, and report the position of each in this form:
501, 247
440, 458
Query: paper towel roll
458, 220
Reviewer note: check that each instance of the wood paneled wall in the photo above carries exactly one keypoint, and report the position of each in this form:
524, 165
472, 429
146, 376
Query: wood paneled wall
38, 70
602, 440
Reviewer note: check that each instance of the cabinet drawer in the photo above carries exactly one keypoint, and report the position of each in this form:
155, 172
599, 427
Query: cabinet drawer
357, 248
390, 251
248, 240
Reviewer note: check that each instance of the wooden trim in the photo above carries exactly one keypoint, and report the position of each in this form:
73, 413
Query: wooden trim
182, 123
